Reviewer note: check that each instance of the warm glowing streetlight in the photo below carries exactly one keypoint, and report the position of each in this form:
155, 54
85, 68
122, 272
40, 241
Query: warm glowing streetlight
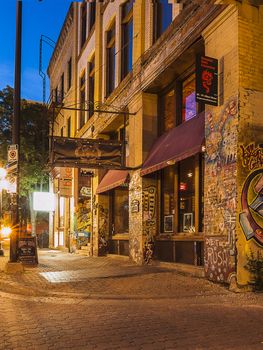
5, 231
2, 173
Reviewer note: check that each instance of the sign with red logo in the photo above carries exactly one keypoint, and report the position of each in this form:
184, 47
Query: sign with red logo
207, 80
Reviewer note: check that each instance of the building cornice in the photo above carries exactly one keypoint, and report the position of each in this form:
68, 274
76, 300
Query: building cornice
61, 39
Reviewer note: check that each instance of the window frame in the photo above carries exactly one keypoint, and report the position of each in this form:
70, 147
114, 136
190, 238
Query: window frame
126, 42
69, 73
158, 20
110, 60
92, 15
198, 198
83, 24
91, 86
82, 91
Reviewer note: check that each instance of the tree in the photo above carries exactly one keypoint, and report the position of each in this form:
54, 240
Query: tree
33, 148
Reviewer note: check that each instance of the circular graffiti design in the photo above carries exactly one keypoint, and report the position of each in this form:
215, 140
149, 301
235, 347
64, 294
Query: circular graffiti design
251, 218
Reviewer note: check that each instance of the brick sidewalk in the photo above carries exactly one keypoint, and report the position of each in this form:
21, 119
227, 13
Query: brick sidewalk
75, 302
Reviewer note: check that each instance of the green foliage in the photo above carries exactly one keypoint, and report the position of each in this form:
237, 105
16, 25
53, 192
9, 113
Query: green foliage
255, 267
33, 141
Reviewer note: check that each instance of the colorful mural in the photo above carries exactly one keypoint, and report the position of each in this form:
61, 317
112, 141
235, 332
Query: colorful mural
251, 217
221, 191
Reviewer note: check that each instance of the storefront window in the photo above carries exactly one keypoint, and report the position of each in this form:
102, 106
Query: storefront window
182, 197
120, 211
168, 199
189, 106
187, 195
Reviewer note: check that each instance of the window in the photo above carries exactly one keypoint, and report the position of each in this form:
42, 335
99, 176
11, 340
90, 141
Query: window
91, 86
56, 95
162, 17
182, 196
110, 60
62, 87
189, 105
83, 24
69, 127
92, 14
82, 101
168, 110
127, 38
61, 132
177, 105
69, 73
120, 211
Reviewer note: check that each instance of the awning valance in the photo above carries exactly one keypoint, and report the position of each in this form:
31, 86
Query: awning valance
112, 179
177, 144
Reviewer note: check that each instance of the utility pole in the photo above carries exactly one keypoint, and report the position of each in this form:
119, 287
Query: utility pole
16, 129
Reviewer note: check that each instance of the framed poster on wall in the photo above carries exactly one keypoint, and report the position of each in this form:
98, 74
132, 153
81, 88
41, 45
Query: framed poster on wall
168, 223
188, 222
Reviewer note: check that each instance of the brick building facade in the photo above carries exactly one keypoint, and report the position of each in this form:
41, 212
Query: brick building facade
191, 191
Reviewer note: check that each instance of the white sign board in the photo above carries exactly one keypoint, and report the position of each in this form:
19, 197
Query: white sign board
43, 201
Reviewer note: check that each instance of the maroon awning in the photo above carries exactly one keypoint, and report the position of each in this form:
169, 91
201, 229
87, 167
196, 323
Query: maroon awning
112, 179
177, 144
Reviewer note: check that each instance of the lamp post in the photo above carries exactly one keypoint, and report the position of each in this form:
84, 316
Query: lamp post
16, 128
3, 185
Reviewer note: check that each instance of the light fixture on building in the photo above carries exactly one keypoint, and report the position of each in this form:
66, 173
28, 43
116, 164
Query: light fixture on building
203, 148
190, 174
171, 162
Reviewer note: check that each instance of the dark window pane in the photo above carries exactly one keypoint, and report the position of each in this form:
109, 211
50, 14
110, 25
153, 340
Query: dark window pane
62, 87
83, 23
92, 14
127, 7
187, 195
82, 106
69, 73
69, 127
130, 40
167, 201
163, 16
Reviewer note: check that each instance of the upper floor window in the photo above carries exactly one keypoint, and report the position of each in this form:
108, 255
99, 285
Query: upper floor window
110, 60
83, 23
127, 38
82, 101
62, 87
162, 17
69, 127
178, 105
92, 14
189, 105
69, 73
61, 132
91, 86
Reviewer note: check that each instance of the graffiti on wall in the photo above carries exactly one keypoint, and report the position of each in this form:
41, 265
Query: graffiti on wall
221, 189
252, 156
251, 217
135, 225
103, 215
149, 221
219, 264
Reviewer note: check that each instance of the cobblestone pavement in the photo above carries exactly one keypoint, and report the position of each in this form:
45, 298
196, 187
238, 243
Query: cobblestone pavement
75, 302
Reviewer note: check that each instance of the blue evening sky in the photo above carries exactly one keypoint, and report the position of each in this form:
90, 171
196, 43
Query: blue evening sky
39, 17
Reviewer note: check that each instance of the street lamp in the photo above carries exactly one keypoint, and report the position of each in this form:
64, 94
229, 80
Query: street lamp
3, 186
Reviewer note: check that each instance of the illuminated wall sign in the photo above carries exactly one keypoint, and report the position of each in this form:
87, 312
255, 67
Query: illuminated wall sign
207, 80
43, 201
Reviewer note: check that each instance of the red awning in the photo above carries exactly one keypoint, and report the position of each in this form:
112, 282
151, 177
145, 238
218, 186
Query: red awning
112, 179
177, 144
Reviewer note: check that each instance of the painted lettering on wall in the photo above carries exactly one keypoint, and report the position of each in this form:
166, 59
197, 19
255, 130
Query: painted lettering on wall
219, 265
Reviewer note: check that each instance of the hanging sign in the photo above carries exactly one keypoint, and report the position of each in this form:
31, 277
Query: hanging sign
207, 80
78, 152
